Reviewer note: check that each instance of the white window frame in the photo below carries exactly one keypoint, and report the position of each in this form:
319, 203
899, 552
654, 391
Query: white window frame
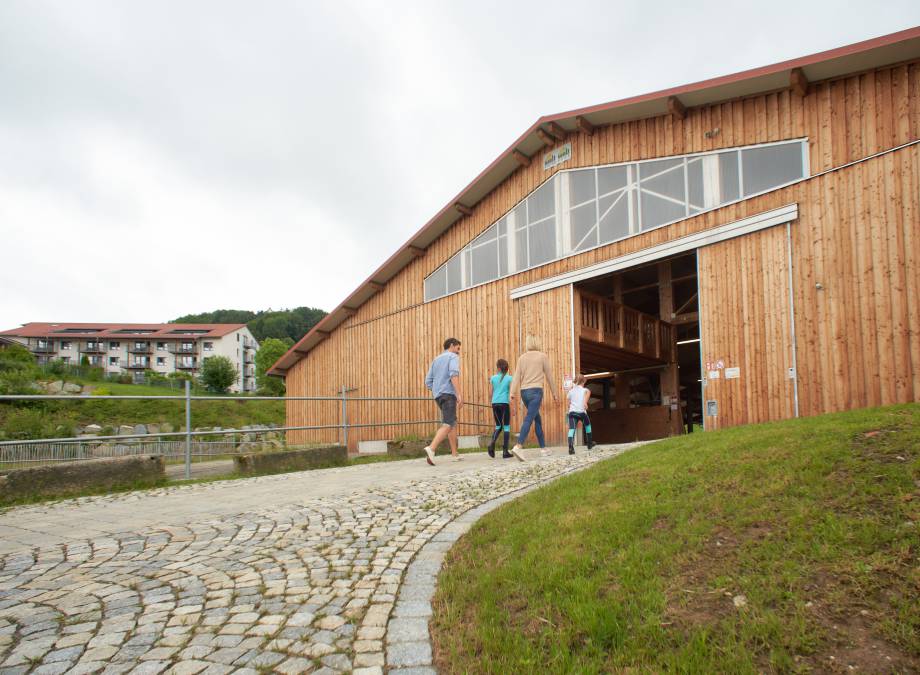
634, 208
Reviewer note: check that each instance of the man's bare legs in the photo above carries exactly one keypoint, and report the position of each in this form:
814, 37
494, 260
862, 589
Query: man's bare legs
452, 439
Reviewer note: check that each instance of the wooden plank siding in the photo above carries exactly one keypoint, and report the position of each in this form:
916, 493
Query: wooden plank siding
856, 234
744, 298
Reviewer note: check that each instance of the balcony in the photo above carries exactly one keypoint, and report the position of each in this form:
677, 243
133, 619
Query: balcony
139, 348
249, 358
187, 366
93, 348
43, 348
183, 349
137, 365
612, 335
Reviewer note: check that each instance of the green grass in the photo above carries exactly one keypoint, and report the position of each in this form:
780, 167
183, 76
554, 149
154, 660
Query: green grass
632, 565
51, 419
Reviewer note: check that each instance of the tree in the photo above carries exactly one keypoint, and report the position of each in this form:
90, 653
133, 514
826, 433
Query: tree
218, 374
269, 323
270, 351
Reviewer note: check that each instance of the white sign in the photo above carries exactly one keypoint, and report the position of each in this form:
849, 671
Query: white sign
557, 156
713, 374
732, 373
567, 382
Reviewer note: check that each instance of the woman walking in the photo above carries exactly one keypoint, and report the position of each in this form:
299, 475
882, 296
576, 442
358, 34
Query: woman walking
501, 407
531, 369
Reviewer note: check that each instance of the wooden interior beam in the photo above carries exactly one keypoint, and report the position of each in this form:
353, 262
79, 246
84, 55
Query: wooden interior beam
689, 317
686, 304
557, 131
798, 82
639, 288
521, 158
677, 109
584, 125
464, 209
545, 137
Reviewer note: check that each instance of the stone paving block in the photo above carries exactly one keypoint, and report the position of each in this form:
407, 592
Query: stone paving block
407, 630
402, 654
294, 666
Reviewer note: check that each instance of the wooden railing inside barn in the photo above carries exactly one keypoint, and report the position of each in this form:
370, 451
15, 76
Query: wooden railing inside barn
610, 323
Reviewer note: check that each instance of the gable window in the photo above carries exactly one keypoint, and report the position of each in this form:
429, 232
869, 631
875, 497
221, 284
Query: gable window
580, 209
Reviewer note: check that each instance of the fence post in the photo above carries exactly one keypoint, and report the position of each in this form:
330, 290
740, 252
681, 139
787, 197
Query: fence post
344, 420
188, 430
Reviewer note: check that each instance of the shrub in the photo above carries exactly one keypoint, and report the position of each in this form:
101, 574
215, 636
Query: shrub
218, 374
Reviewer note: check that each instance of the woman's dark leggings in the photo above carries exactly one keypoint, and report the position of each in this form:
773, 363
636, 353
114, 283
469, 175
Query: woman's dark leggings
502, 414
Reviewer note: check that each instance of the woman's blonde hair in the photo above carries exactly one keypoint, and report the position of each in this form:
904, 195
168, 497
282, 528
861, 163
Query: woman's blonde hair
580, 379
533, 343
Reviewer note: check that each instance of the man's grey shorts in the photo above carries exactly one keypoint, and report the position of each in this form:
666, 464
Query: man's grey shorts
448, 405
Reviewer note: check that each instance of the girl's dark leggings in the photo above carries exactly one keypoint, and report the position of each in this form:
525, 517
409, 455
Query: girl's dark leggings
502, 414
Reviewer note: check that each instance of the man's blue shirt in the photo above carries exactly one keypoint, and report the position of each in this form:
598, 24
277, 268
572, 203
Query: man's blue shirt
445, 366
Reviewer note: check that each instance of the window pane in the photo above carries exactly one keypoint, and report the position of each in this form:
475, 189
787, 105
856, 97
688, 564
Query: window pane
657, 211
488, 235
520, 216
520, 244
667, 181
581, 187
542, 242
542, 203
582, 221
765, 168
651, 169
435, 285
502, 256
695, 184
454, 282
502, 226
728, 176
614, 222
484, 263
611, 178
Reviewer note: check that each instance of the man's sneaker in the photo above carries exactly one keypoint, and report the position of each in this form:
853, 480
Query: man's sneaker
429, 455
571, 450
458, 458
491, 451
516, 451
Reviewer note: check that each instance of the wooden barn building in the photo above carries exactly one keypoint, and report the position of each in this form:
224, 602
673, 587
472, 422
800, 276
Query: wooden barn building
737, 250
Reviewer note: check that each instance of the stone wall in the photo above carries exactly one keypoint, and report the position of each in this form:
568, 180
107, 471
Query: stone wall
71, 478
291, 460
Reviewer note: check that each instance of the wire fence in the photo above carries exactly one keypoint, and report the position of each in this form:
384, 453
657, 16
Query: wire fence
189, 445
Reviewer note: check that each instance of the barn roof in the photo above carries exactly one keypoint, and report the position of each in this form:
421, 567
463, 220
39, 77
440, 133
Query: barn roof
860, 56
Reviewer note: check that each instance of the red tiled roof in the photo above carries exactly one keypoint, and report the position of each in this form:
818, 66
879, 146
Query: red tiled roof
120, 330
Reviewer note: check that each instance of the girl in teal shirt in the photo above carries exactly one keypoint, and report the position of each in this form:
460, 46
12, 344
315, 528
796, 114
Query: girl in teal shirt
501, 387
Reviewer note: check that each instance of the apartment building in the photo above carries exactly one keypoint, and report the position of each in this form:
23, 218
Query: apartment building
137, 348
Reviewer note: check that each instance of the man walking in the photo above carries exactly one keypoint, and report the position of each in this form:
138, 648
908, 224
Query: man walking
443, 380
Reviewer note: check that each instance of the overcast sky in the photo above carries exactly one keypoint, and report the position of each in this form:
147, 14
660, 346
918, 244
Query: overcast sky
162, 158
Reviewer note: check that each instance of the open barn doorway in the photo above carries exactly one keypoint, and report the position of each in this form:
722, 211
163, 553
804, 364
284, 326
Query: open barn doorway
638, 341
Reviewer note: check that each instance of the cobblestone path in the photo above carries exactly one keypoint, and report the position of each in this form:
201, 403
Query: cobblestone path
305, 587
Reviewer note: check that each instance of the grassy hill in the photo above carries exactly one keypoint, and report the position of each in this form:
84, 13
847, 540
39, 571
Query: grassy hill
51, 419
789, 547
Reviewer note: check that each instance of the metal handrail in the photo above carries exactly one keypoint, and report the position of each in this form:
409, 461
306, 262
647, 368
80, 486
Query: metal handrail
189, 434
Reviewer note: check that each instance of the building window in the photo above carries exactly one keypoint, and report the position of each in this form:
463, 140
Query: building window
114, 345
113, 360
581, 209
161, 346
161, 360
65, 345
65, 359
208, 346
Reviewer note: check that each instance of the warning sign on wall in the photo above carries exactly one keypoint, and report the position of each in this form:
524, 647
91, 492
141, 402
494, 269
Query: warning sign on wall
732, 373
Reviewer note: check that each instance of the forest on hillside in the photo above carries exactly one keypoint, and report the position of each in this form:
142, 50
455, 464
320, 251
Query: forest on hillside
270, 323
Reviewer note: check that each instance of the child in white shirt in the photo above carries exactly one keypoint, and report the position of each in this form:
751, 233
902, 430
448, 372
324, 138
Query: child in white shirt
578, 412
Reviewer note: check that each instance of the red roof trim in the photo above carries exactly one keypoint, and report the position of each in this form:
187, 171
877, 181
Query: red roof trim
109, 330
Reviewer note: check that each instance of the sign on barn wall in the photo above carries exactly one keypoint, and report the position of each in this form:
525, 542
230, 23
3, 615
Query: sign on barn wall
557, 156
